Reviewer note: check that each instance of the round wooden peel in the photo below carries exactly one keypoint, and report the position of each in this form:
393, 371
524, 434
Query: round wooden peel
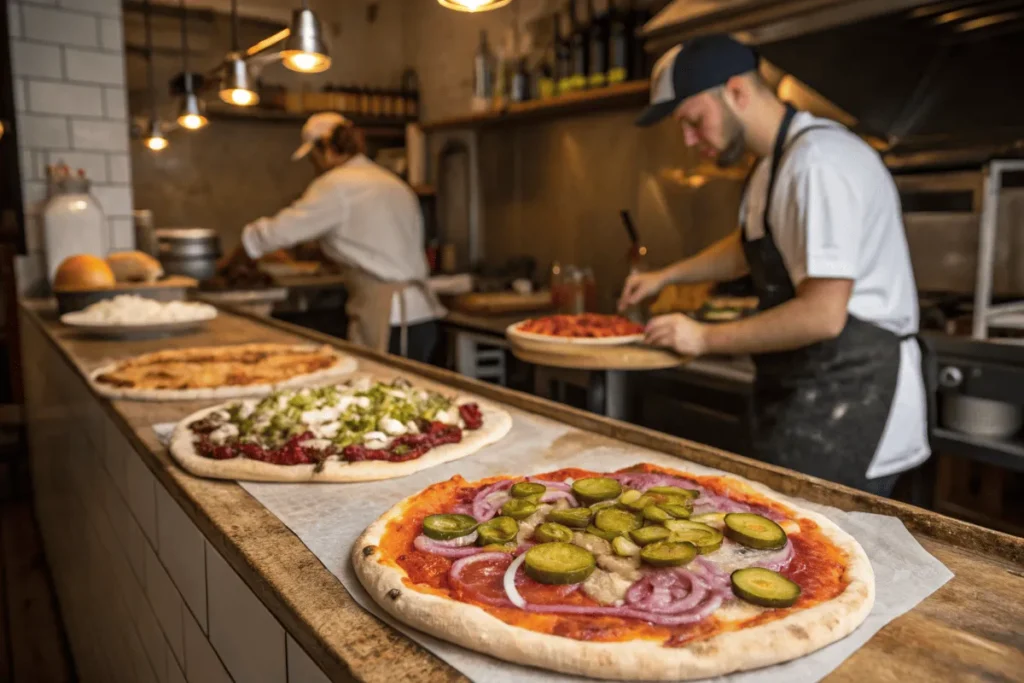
626, 357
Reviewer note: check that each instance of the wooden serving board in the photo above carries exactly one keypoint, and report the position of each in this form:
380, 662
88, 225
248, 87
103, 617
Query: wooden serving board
627, 357
501, 303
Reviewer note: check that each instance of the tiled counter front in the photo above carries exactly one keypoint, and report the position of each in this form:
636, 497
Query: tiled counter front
143, 594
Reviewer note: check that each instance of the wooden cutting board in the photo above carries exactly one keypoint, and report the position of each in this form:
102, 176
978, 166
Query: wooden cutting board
627, 357
501, 303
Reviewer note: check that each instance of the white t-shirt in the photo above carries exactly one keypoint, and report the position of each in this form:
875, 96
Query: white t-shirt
836, 214
364, 216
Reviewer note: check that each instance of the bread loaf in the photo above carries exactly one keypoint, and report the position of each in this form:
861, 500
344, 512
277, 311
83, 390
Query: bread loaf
134, 266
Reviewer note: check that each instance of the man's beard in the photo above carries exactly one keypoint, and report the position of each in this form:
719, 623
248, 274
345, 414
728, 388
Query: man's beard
734, 150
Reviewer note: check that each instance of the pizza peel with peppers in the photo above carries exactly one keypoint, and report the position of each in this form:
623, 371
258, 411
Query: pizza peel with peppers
642, 574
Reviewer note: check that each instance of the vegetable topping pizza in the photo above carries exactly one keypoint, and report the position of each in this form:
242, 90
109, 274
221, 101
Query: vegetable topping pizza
358, 431
643, 574
583, 326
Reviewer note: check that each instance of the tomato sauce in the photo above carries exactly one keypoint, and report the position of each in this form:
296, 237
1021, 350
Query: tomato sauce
818, 568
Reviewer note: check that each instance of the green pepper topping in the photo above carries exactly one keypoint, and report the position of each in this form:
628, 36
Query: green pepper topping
498, 530
518, 508
447, 527
527, 489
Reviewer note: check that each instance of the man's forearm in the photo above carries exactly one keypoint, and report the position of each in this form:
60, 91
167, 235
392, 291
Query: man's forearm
722, 261
792, 325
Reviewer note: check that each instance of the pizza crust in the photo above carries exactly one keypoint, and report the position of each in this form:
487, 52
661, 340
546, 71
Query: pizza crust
344, 365
513, 332
496, 424
793, 636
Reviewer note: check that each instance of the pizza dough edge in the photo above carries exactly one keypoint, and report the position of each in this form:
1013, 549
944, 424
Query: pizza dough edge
791, 637
346, 365
497, 423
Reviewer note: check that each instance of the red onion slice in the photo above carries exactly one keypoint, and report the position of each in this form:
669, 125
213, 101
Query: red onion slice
668, 592
483, 510
556, 485
459, 567
429, 545
552, 496
509, 582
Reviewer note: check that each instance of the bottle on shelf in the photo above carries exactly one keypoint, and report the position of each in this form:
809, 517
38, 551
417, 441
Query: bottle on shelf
411, 90
483, 75
501, 77
364, 101
520, 82
597, 76
563, 55
618, 45
375, 102
579, 49
544, 81
640, 65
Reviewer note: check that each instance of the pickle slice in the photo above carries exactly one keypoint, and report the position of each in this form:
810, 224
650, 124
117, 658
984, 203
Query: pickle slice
636, 503
668, 554
754, 531
677, 511
655, 513
574, 518
447, 527
498, 530
527, 489
550, 532
649, 534
558, 563
674, 491
707, 539
712, 519
630, 497
595, 489
764, 587
617, 520
518, 508
601, 533
623, 547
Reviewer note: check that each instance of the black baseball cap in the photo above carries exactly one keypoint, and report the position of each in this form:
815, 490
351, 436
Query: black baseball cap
692, 67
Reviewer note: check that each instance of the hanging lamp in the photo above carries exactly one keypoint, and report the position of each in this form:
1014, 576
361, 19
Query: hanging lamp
191, 115
473, 5
304, 50
236, 81
155, 139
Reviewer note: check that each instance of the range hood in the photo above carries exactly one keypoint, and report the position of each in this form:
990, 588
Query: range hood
937, 81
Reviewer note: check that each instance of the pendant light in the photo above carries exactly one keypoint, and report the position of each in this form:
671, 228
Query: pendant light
304, 51
236, 84
473, 5
191, 115
155, 139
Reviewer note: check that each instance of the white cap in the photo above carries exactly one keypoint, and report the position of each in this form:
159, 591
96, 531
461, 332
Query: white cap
318, 127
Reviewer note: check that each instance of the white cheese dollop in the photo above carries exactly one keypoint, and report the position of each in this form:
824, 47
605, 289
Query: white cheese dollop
392, 426
318, 444
328, 430
363, 402
310, 417
223, 433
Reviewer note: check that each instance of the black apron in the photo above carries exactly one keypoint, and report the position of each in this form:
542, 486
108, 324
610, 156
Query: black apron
821, 409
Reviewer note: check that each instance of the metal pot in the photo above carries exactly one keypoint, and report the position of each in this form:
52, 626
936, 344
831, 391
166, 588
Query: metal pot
981, 416
189, 251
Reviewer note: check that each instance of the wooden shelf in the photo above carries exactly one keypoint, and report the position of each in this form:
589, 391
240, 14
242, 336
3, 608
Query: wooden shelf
374, 127
629, 94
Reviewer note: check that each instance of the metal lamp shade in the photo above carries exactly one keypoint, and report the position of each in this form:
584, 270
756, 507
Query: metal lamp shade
155, 139
473, 5
304, 51
236, 85
191, 115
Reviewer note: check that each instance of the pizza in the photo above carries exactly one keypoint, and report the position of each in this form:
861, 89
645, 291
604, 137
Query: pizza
219, 371
358, 431
586, 328
645, 573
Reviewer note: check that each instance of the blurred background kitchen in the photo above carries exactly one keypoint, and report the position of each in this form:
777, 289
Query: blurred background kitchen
513, 124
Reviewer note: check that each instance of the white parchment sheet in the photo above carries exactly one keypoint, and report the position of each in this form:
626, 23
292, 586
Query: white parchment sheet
329, 518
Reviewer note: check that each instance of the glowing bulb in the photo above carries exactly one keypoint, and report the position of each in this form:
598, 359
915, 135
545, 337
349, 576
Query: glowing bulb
192, 121
240, 97
156, 143
306, 62
473, 5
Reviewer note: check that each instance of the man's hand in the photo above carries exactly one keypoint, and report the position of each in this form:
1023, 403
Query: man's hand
639, 286
682, 334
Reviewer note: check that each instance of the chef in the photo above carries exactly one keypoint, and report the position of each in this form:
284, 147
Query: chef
369, 222
839, 390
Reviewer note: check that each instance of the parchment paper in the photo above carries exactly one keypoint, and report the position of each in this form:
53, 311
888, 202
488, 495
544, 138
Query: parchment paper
329, 518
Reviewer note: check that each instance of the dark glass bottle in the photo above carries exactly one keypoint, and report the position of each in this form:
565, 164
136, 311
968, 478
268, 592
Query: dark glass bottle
520, 91
563, 56
639, 61
597, 75
618, 45
580, 49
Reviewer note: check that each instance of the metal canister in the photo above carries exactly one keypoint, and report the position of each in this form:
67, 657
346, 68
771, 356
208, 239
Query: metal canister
189, 251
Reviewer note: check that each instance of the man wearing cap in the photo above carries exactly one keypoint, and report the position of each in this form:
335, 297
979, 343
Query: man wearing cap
839, 390
369, 222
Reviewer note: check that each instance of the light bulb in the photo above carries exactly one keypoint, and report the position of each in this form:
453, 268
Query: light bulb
306, 62
473, 5
240, 97
156, 143
192, 121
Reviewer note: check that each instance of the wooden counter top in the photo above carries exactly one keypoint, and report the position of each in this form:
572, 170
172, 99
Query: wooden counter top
970, 629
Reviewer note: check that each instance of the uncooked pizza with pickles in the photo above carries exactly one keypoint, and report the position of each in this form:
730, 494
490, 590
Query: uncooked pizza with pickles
645, 573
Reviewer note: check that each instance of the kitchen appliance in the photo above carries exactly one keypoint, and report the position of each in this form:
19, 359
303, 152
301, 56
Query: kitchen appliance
73, 223
189, 251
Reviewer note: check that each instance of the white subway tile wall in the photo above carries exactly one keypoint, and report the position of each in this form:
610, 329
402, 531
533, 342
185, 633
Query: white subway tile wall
202, 665
69, 89
167, 603
183, 552
302, 669
122, 234
245, 634
94, 164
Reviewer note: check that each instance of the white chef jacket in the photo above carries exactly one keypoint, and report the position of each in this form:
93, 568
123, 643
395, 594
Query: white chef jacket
836, 214
363, 216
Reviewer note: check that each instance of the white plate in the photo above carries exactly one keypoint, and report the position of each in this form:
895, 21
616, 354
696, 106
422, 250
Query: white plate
120, 330
513, 332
